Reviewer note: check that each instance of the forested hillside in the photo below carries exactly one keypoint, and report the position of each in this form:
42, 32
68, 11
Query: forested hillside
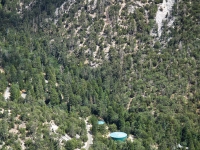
133, 63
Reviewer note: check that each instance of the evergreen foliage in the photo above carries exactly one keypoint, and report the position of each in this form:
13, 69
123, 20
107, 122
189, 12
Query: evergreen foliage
99, 60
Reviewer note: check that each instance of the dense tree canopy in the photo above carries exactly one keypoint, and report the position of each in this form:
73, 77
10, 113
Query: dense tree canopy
99, 60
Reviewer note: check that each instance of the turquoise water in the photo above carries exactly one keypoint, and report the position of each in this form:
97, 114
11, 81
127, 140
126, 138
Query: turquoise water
118, 136
101, 122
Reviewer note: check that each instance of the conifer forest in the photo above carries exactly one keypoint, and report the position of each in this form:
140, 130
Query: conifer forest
66, 64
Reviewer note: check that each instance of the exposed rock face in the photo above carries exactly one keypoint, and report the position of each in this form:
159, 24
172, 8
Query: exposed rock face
7, 93
131, 9
163, 13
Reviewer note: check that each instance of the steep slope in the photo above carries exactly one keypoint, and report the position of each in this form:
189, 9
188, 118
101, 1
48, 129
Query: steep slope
163, 13
104, 58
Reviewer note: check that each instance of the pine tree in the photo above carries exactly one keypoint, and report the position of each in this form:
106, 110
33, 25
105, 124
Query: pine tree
54, 98
14, 92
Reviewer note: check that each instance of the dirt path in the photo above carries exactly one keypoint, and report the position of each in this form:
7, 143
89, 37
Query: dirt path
122, 6
89, 135
106, 21
128, 106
